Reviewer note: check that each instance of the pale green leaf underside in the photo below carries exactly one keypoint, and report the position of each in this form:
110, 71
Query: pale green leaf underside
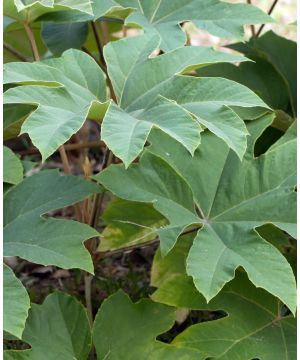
30, 10
163, 17
253, 328
66, 94
59, 327
233, 197
43, 240
126, 133
122, 327
144, 98
16, 303
12, 167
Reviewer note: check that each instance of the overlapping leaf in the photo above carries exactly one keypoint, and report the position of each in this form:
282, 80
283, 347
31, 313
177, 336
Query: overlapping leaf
255, 325
65, 93
217, 17
23, 10
57, 329
12, 167
70, 35
266, 47
43, 240
232, 199
144, 87
272, 77
16, 303
126, 330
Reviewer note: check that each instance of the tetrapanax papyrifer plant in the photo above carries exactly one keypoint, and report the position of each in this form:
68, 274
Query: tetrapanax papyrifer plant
135, 162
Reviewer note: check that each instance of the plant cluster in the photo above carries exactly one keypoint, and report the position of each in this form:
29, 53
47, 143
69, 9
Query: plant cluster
120, 137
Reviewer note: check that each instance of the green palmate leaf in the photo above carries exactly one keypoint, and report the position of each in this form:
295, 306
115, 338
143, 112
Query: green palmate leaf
30, 10
126, 134
16, 303
150, 182
129, 223
12, 167
232, 198
220, 19
146, 104
123, 330
70, 35
266, 48
259, 76
255, 326
47, 241
57, 329
65, 94
107, 10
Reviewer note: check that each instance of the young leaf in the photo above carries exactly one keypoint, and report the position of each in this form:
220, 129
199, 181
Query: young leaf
16, 303
66, 94
12, 167
122, 327
59, 328
126, 129
173, 264
129, 223
232, 197
43, 240
254, 327
217, 17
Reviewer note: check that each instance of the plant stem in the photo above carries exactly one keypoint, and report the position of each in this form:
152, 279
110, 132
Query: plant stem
101, 56
88, 296
64, 159
252, 27
98, 42
32, 41
269, 13
15, 52
105, 31
97, 205
68, 147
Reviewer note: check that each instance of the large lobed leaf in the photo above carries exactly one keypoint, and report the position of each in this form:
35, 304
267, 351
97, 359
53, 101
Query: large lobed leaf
232, 198
255, 325
58, 328
44, 240
64, 92
217, 17
151, 94
123, 330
